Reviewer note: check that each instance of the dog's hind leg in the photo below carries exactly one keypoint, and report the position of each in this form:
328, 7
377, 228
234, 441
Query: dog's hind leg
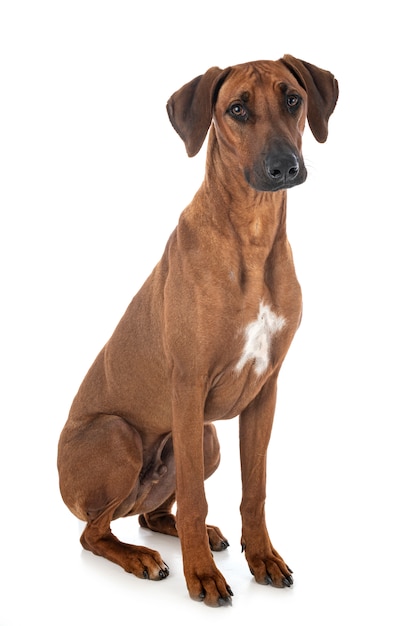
100, 487
138, 560
161, 520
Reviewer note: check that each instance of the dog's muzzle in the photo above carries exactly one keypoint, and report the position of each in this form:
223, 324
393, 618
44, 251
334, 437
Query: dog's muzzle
281, 168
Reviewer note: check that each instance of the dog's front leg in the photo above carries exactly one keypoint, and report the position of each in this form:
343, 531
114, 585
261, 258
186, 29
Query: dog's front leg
204, 581
255, 425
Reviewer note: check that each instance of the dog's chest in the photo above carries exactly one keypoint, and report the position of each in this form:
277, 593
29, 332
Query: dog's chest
258, 337
259, 346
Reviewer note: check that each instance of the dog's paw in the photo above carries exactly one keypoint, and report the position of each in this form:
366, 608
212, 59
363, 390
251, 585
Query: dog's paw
224, 600
209, 586
269, 569
217, 540
145, 563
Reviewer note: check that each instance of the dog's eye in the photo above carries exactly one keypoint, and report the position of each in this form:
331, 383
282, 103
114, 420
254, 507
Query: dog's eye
293, 101
238, 111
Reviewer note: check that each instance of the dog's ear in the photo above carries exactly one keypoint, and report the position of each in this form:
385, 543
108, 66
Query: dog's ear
322, 93
190, 108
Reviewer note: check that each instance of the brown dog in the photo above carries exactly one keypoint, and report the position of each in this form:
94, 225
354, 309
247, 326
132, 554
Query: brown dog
205, 337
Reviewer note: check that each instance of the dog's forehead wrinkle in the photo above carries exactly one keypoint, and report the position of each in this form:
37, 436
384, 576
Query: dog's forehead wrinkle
255, 98
281, 86
258, 91
257, 72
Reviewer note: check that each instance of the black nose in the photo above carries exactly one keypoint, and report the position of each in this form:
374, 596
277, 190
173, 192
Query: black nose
282, 168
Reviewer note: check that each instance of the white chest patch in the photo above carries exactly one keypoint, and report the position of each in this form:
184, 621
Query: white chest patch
258, 339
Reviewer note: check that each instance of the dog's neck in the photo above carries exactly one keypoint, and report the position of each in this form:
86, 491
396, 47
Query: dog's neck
255, 218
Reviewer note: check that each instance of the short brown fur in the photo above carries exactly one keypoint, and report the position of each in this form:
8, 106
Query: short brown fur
140, 432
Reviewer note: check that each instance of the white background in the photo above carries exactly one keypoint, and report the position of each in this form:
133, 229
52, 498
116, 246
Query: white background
92, 181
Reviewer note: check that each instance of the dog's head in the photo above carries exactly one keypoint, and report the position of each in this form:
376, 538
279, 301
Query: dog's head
258, 111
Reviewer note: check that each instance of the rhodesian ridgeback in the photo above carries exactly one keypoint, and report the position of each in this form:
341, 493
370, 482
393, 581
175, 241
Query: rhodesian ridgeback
205, 336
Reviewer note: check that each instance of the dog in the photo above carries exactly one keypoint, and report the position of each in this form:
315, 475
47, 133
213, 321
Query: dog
205, 336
